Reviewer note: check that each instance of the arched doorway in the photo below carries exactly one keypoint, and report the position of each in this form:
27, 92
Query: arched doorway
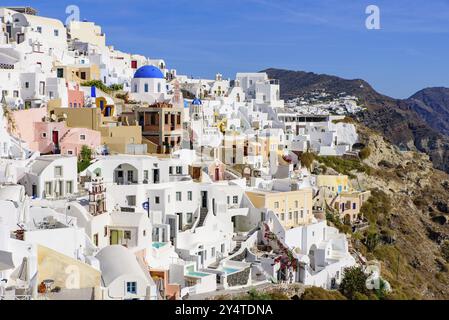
125, 174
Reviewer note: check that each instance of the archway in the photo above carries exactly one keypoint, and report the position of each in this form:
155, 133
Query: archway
125, 174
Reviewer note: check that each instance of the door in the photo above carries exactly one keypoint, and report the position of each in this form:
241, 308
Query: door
217, 174
155, 175
203, 199
179, 221
114, 237
55, 140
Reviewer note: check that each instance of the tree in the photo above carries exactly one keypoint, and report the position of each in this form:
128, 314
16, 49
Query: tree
372, 240
365, 153
306, 159
353, 284
84, 159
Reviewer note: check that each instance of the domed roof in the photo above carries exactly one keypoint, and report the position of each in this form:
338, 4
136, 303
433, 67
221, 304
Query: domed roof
196, 102
149, 72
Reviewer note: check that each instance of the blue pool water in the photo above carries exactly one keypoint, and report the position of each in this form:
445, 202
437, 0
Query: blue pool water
229, 270
197, 274
158, 245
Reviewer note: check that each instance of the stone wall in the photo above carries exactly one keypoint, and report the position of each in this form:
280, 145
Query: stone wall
239, 278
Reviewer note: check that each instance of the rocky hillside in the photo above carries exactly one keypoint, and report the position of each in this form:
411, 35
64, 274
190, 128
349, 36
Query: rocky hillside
409, 217
395, 119
432, 104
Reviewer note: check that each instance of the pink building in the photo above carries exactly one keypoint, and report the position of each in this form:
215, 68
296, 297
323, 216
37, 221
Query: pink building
75, 95
56, 137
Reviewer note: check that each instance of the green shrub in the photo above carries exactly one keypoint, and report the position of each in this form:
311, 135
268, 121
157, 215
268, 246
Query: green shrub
344, 166
97, 84
116, 87
377, 208
84, 159
365, 153
307, 159
353, 284
317, 293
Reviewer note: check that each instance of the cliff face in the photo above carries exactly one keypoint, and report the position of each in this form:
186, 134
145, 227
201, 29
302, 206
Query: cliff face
397, 120
415, 260
432, 104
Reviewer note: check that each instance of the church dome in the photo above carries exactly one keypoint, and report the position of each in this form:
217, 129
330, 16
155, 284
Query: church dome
196, 102
149, 72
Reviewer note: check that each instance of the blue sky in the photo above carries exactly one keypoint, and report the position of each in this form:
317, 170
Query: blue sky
203, 37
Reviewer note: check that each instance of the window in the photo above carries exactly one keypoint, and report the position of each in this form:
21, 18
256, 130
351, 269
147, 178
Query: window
189, 195
276, 205
60, 73
131, 200
56, 33
159, 87
170, 170
178, 196
229, 199
27, 85
189, 217
212, 252
70, 152
157, 200
69, 186
127, 235
15, 93
83, 75
41, 87
43, 134
302, 214
82, 136
146, 87
48, 190
179, 170
131, 287
282, 216
39, 29
58, 171
105, 231
145, 174
290, 216
296, 204
235, 199
354, 206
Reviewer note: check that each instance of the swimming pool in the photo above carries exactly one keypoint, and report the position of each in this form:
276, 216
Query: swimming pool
158, 245
197, 274
228, 270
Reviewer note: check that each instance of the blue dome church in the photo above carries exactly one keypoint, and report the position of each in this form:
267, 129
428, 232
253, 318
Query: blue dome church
148, 85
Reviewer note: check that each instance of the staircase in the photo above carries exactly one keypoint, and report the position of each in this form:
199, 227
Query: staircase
64, 135
333, 201
237, 247
203, 214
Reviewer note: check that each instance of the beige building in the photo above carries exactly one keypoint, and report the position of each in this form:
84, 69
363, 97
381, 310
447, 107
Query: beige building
336, 193
117, 136
293, 208
87, 32
79, 73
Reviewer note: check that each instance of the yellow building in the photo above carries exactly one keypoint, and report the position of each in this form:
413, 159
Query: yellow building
334, 183
114, 134
106, 105
293, 208
79, 73
348, 205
